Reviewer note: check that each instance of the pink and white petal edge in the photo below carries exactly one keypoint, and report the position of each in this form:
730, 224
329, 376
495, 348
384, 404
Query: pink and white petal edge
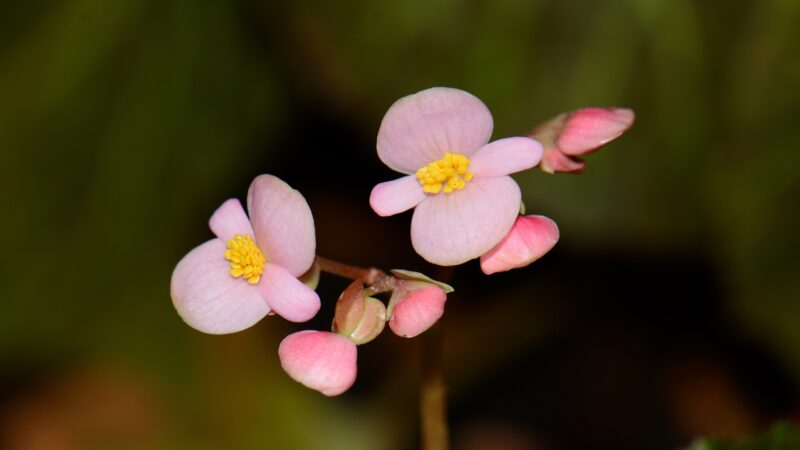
283, 224
319, 360
396, 196
530, 238
506, 156
286, 295
229, 220
208, 298
420, 128
450, 229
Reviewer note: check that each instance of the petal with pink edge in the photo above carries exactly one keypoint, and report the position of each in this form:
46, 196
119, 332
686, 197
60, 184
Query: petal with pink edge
506, 156
393, 197
208, 298
529, 239
229, 220
449, 229
283, 224
286, 295
420, 128
319, 360
588, 129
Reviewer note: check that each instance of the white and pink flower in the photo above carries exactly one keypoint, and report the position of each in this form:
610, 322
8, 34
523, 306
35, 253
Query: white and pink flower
458, 182
251, 268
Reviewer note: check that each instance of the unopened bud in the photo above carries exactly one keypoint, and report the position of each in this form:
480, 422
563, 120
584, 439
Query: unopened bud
415, 306
358, 317
567, 137
529, 239
319, 360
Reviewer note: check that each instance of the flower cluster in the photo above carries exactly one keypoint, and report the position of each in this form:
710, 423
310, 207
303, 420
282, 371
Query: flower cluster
466, 206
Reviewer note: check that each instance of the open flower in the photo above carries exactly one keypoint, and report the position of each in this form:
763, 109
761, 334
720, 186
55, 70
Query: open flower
457, 181
568, 137
229, 283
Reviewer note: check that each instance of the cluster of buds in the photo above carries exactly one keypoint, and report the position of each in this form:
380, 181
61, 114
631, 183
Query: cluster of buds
326, 360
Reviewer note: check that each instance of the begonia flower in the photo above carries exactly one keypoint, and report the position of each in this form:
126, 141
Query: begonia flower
568, 137
319, 360
458, 183
359, 317
529, 239
252, 266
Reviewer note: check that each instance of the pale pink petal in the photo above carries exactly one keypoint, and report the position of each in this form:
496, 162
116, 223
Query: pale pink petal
319, 360
286, 295
229, 220
417, 311
283, 224
449, 229
393, 197
506, 156
554, 161
422, 127
588, 129
529, 239
209, 298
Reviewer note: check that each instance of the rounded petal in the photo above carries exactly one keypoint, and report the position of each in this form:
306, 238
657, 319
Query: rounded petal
506, 156
449, 229
417, 311
393, 197
286, 295
529, 239
208, 298
588, 129
229, 220
283, 224
422, 127
319, 360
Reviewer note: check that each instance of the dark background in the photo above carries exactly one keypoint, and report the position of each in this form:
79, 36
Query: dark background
669, 309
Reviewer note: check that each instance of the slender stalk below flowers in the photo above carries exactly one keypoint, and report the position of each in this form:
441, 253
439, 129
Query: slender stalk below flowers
433, 393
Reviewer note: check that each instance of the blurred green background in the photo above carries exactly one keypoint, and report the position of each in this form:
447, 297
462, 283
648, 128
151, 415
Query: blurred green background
669, 309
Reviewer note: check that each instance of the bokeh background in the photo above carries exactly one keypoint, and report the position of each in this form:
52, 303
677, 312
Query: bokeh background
670, 309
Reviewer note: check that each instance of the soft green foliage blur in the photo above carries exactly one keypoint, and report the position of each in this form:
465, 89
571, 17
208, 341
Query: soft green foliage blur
122, 125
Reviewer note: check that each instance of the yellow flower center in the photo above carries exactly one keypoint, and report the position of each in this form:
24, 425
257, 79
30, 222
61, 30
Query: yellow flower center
448, 174
246, 259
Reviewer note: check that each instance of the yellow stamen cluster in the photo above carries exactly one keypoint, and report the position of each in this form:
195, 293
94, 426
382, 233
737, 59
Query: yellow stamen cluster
448, 174
246, 259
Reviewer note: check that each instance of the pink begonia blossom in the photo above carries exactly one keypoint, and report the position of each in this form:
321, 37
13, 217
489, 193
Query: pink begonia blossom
569, 136
529, 239
231, 282
414, 307
319, 360
457, 181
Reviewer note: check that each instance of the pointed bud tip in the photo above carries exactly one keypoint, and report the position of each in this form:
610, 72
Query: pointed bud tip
588, 129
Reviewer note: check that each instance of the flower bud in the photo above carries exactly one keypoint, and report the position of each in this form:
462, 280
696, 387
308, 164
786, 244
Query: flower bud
358, 317
415, 306
529, 239
319, 360
567, 137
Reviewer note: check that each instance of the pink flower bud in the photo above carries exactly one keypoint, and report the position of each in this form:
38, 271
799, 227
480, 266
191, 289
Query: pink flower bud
529, 239
570, 136
319, 360
414, 307
357, 316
